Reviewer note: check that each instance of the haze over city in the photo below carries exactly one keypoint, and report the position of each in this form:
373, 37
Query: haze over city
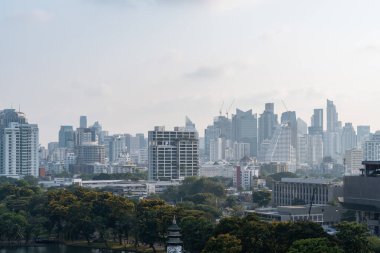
134, 64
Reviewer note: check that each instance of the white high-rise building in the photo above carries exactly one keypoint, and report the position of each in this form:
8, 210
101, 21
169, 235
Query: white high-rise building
172, 154
280, 149
20, 149
19, 144
353, 160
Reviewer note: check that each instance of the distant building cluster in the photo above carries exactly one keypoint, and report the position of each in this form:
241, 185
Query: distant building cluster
90, 149
290, 140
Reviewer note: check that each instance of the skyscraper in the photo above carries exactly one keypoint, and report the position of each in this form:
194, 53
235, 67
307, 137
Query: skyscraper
244, 129
66, 137
348, 138
83, 122
363, 134
290, 118
316, 126
19, 142
267, 123
280, 148
172, 154
221, 128
331, 139
332, 117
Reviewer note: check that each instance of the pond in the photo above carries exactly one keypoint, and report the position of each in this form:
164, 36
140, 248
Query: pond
55, 248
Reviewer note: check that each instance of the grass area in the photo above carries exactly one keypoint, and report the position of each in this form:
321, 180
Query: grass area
115, 246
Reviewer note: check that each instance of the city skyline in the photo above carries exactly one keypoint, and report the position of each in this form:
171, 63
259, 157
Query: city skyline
157, 61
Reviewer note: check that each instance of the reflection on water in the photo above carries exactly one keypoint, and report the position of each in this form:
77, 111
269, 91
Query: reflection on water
55, 249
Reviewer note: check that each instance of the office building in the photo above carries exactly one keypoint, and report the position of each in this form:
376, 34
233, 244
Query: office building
348, 138
363, 134
66, 137
331, 139
316, 126
314, 150
267, 123
173, 155
90, 153
371, 148
83, 122
280, 148
116, 147
353, 161
244, 129
221, 128
290, 191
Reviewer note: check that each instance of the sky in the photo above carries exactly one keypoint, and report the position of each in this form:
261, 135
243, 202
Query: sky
134, 64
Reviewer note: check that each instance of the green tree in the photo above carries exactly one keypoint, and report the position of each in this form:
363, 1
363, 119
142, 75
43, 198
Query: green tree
224, 243
353, 237
314, 245
199, 231
261, 198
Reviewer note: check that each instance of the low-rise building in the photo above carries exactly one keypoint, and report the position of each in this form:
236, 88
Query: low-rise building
289, 191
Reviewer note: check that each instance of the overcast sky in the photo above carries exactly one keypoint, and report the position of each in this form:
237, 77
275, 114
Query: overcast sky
134, 64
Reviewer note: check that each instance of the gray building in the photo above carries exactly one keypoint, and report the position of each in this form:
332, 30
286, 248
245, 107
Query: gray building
267, 123
172, 155
290, 191
363, 134
221, 128
361, 194
348, 138
316, 126
244, 129
66, 137
83, 122
90, 153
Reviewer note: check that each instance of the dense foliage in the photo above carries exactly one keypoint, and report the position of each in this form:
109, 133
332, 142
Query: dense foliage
27, 212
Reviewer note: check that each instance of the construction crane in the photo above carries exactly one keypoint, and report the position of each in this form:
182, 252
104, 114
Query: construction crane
283, 103
229, 108
221, 108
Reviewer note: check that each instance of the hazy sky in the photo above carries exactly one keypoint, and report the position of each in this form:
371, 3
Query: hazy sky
133, 64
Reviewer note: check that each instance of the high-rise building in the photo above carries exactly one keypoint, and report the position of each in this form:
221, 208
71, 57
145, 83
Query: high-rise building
19, 144
363, 134
301, 127
332, 117
116, 147
189, 125
280, 149
316, 126
221, 128
331, 139
348, 138
66, 137
244, 129
371, 148
90, 153
314, 149
267, 123
83, 122
172, 155
353, 161
290, 118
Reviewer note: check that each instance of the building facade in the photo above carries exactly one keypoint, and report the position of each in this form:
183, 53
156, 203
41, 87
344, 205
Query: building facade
291, 191
172, 155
